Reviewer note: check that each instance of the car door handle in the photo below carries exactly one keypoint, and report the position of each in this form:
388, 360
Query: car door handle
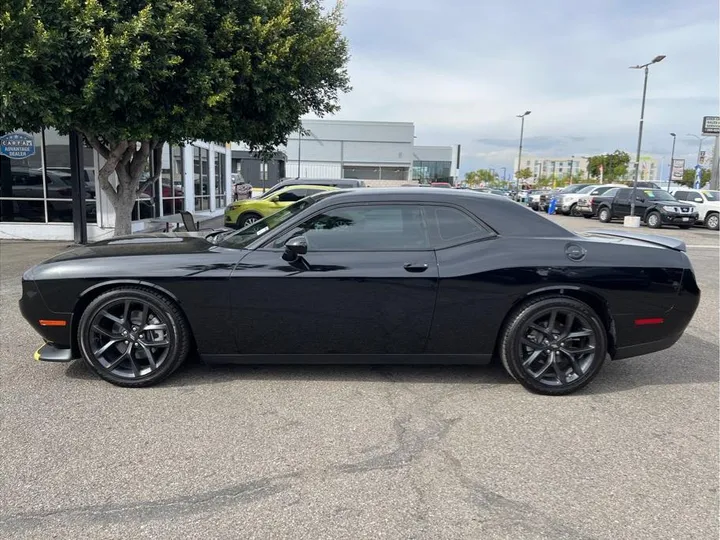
412, 267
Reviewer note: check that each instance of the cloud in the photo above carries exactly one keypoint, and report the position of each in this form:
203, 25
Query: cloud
461, 70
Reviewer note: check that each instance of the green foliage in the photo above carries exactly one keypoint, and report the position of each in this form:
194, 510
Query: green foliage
482, 176
132, 74
524, 174
615, 165
688, 178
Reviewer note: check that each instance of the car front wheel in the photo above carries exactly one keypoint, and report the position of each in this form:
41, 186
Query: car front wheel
712, 222
133, 336
604, 215
247, 219
654, 220
553, 345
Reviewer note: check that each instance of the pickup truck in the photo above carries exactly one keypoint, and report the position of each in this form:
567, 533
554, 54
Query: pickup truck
706, 201
656, 207
585, 206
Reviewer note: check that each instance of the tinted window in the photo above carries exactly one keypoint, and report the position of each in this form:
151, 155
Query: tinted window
682, 195
624, 193
611, 192
309, 192
365, 228
292, 195
453, 225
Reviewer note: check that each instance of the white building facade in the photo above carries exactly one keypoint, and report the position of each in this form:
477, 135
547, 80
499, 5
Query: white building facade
36, 195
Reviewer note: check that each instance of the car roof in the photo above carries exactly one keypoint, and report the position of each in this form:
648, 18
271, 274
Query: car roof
500, 212
308, 186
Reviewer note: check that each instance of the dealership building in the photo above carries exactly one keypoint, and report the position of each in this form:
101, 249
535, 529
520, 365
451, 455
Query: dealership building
38, 199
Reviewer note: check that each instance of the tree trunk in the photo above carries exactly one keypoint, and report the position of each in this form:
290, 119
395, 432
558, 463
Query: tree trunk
123, 215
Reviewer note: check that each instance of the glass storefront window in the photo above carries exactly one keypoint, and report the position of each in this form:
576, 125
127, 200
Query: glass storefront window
361, 172
432, 171
220, 200
29, 192
201, 178
173, 192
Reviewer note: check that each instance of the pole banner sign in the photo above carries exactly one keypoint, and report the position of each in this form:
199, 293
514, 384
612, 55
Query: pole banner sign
678, 167
17, 145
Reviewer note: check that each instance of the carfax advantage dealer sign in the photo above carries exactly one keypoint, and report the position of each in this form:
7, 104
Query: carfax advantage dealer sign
17, 145
711, 125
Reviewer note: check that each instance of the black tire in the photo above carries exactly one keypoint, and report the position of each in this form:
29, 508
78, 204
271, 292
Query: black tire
144, 345
574, 211
248, 218
571, 375
654, 220
604, 215
712, 221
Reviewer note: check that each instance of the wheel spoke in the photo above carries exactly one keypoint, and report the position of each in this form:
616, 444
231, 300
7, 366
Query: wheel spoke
118, 360
150, 357
543, 370
149, 327
580, 333
106, 314
569, 320
583, 350
155, 344
126, 312
559, 372
532, 344
531, 358
544, 331
105, 347
144, 316
101, 330
552, 321
133, 365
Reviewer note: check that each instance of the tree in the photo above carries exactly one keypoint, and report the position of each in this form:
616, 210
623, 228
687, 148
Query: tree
524, 174
615, 165
482, 176
688, 178
131, 75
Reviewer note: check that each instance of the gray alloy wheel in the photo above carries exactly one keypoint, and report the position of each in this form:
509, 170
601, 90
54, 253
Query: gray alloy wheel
247, 219
553, 345
712, 222
653, 220
133, 336
574, 211
604, 214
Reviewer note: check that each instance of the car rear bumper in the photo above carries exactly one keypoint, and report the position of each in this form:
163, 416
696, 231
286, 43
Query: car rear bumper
584, 209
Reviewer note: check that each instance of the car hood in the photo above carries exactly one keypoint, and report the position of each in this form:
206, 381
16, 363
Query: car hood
139, 245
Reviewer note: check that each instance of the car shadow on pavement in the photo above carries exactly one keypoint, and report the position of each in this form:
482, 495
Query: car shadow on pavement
691, 361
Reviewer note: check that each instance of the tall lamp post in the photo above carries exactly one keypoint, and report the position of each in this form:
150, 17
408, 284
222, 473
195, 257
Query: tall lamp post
701, 139
634, 222
672, 160
522, 130
504, 170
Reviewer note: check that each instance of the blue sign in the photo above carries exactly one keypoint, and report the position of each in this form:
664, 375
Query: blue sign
698, 176
17, 145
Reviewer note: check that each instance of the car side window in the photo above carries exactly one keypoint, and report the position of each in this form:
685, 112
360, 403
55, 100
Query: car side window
309, 192
364, 228
452, 226
682, 195
292, 195
624, 195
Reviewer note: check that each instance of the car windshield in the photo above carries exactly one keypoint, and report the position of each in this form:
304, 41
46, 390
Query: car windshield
658, 195
586, 189
571, 189
244, 237
712, 195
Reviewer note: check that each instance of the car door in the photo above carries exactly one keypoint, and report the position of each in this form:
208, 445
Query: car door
621, 204
366, 285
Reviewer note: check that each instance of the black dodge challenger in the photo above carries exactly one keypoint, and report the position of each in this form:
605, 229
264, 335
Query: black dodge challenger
373, 276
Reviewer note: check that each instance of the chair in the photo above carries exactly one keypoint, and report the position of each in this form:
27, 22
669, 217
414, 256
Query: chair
188, 221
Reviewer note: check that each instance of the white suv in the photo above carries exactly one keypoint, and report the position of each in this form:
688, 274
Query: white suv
706, 201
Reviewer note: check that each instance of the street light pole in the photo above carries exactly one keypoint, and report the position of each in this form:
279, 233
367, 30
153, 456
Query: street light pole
672, 159
640, 131
522, 130
504, 169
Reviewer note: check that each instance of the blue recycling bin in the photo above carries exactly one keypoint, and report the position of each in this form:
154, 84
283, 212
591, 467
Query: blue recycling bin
551, 207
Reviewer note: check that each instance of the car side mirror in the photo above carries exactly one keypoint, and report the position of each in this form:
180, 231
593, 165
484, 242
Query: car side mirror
698, 199
295, 247
275, 198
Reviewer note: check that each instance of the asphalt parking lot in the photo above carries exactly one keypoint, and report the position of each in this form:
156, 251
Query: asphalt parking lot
361, 452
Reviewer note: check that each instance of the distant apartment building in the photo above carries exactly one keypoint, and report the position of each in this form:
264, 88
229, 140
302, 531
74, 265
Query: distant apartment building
562, 167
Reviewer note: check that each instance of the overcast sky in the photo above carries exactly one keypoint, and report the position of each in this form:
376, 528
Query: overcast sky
462, 69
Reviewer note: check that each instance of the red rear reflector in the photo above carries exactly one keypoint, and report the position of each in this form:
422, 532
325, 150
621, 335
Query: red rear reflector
50, 322
643, 322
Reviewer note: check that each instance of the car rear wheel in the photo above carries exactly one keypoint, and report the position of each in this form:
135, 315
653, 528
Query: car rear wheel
133, 336
574, 211
553, 345
654, 220
247, 219
604, 215
712, 222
